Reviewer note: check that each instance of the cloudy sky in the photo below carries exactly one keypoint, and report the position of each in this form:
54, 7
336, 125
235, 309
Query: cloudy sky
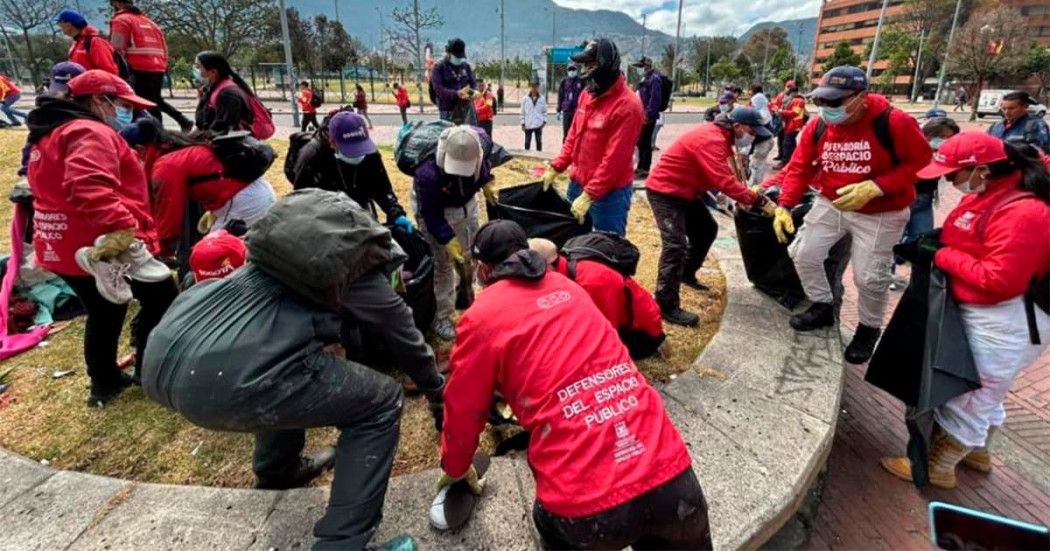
705, 17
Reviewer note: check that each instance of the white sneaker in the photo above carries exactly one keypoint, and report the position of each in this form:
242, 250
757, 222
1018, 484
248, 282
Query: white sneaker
445, 329
142, 265
109, 276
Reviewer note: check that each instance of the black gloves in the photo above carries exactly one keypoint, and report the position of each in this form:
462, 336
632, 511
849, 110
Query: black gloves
920, 251
436, 402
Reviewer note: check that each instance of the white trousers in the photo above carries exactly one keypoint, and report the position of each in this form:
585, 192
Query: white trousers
874, 236
1001, 347
250, 204
760, 160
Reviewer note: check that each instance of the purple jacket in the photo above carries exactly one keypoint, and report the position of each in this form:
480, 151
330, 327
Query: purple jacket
448, 80
569, 94
650, 90
437, 191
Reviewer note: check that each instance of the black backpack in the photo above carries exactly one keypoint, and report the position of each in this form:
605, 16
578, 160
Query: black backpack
605, 247
296, 142
123, 69
667, 87
243, 157
881, 126
318, 98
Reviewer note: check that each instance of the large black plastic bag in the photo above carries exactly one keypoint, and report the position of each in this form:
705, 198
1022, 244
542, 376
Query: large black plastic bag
419, 280
546, 214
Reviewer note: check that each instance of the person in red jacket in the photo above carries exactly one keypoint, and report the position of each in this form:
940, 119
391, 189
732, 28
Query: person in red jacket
306, 102
774, 109
611, 469
483, 106
9, 95
89, 49
994, 247
92, 218
600, 144
629, 308
865, 191
403, 103
793, 117
696, 163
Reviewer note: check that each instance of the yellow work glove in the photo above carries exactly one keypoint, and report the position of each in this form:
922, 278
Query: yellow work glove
471, 477
855, 196
783, 224
548, 177
113, 244
455, 251
206, 222
581, 205
491, 193
464, 93
768, 208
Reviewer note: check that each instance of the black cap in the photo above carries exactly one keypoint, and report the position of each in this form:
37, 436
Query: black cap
642, 62
499, 239
840, 82
456, 47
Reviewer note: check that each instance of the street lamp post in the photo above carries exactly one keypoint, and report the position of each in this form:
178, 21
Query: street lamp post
286, 36
382, 43
643, 33
342, 78
674, 60
875, 42
707, 69
918, 66
947, 50
798, 54
502, 49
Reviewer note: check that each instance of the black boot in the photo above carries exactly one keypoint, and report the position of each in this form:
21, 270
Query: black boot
102, 395
678, 316
693, 283
819, 314
311, 466
862, 346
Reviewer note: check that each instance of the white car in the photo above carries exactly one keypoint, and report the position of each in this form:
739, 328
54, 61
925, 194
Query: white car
988, 104
1037, 109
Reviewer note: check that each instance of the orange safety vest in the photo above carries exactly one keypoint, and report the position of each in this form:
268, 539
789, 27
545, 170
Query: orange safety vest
146, 49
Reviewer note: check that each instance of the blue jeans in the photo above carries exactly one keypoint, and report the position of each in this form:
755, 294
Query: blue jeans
921, 220
610, 212
445, 115
10, 112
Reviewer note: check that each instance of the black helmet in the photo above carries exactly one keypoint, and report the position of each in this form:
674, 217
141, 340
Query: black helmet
456, 47
600, 65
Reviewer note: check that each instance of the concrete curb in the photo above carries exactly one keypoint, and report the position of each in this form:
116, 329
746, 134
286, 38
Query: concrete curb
759, 433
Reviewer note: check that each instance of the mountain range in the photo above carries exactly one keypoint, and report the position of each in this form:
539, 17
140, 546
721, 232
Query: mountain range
806, 39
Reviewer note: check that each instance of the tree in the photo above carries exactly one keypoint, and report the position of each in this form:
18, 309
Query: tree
221, 25
408, 36
930, 19
725, 71
701, 50
992, 44
1037, 62
762, 46
746, 66
843, 55
26, 16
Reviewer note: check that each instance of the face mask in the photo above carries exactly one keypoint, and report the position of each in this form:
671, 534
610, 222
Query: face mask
457, 61
572, 73
968, 186
349, 160
122, 116
935, 143
833, 115
723, 107
197, 76
641, 71
745, 141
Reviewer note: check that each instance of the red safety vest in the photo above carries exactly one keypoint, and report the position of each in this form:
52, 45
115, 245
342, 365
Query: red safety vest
147, 51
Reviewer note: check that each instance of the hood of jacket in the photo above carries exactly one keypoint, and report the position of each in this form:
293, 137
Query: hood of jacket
317, 243
52, 113
526, 265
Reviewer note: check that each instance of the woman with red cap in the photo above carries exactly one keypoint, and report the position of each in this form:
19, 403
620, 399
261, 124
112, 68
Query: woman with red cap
92, 219
995, 248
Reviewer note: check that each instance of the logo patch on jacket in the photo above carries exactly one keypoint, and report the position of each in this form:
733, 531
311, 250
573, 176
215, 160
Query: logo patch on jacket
550, 301
598, 122
965, 222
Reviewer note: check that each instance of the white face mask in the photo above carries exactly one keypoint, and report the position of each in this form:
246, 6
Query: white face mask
968, 186
745, 141
349, 160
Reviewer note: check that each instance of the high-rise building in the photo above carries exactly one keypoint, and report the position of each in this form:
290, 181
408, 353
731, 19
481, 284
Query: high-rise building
1037, 14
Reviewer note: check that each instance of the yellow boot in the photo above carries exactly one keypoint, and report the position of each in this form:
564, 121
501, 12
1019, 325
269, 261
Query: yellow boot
980, 459
945, 453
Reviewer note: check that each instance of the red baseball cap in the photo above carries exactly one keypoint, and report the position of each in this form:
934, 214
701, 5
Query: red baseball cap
98, 82
217, 256
963, 150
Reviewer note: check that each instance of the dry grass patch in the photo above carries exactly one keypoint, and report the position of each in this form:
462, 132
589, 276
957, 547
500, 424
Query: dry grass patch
135, 439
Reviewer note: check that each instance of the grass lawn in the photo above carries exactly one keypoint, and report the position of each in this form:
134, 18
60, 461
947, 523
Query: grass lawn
135, 439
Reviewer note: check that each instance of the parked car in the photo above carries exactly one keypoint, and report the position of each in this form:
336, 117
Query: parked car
988, 104
1038, 109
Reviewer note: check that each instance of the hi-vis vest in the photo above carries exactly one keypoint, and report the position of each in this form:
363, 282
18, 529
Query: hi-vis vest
147, 50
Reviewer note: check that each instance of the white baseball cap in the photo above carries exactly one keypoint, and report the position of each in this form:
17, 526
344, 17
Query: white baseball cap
462, 151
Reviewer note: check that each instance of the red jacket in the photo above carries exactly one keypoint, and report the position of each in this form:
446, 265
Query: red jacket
101, 56
601, 434
606, 288
992, 250
600, 144
483, 106
793, 114
306, 98
402, 97
8, 88
697, 162
139, 40
86, 182
850, 154
777, 102
192, 172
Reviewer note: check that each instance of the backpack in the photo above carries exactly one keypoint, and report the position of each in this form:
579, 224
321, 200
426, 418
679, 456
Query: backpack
317, 99
243, 158
605, 247
261, 125
296, 142
1029, 135
881, 126
666, 88
1038, 293
123, 69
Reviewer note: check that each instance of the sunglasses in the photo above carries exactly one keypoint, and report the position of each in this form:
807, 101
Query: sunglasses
821, 102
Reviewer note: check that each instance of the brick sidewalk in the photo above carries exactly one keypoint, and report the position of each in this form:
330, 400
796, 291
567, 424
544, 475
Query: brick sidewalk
865, 507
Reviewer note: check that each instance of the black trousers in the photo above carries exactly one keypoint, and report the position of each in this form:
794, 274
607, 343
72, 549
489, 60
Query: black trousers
687, 232
150, 86
566, 123
529, 133
670, 516
487, 127
105, 321
645, 147
790, 143
308, 119
404, 114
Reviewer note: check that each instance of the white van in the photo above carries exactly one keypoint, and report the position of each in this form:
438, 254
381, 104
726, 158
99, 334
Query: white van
988, 103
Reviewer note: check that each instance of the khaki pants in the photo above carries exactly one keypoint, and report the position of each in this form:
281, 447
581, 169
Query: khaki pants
759, 161
874, 236
464, 220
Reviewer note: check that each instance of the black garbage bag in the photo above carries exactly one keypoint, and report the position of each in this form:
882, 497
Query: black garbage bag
546, 214
417, 276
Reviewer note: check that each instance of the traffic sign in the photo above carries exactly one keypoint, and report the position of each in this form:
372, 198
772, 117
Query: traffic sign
561, 56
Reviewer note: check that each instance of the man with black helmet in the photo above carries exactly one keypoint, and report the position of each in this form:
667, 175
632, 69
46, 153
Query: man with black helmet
453, 82
600, 144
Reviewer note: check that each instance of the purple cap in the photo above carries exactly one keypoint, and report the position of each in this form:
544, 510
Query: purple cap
728, 97
61, 74
349, 131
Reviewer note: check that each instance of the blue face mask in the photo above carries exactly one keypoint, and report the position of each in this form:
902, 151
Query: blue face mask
723, 107
197, 76
935, 143
457, 61
833, 115
122, 116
